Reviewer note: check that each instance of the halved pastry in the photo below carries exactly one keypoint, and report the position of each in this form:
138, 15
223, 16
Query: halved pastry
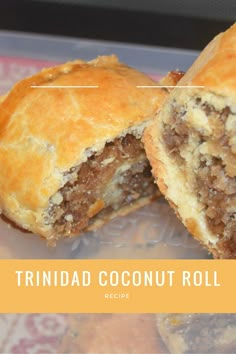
192, 147
71, 155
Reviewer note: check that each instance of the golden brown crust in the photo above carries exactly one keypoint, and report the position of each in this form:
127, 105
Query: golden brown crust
171, 79
215, 67
44, 132
158, 168
215, 70
2, 98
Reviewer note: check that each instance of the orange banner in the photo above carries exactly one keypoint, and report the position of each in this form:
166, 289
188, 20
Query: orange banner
118, 286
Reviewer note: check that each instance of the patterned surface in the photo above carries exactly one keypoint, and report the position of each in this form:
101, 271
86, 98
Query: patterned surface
31, 334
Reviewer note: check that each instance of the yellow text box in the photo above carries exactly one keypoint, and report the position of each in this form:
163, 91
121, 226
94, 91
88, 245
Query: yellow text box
118, 286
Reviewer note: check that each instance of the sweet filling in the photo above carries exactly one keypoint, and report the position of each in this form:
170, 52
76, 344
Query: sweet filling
211, 173
106, 182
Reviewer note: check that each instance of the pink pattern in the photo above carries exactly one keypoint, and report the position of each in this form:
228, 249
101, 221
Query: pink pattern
27, 62
45, 325
32, 333
41, 345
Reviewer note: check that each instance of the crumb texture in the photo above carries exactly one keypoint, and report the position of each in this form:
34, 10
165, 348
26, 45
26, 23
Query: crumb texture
108, 181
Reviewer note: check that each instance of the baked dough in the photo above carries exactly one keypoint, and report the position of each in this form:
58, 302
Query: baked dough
192, 147
72, 158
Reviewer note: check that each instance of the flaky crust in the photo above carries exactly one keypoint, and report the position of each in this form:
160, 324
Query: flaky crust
44, 132
215, 71
215, 67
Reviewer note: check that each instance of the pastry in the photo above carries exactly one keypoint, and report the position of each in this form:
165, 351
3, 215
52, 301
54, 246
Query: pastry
198, 333
192, 147
71, 155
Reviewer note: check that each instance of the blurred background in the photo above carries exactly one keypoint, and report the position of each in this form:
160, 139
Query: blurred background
186, 24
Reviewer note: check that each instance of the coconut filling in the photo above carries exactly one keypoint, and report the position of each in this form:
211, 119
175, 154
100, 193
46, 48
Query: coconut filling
109, 180
207, 156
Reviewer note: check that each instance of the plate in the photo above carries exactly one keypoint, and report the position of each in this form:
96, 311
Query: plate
151, 232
